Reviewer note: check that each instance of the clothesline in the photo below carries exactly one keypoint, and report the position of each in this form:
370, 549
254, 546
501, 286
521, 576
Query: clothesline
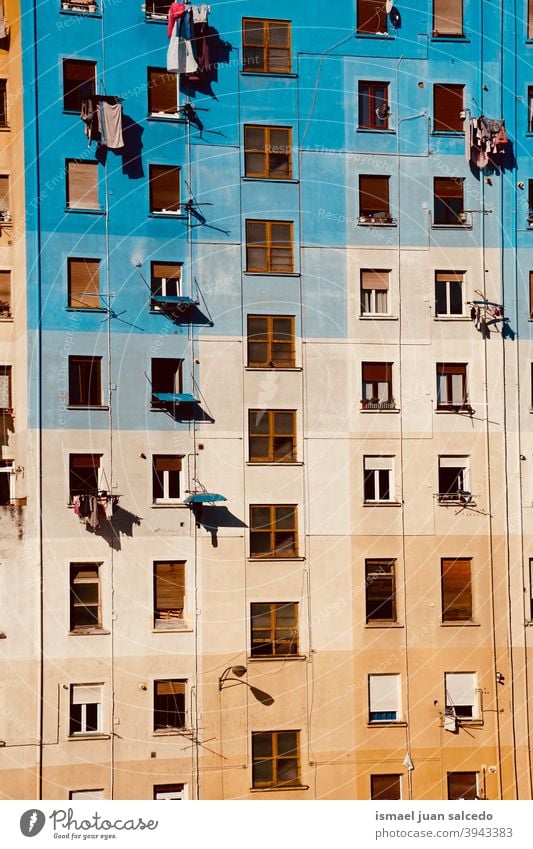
188, 49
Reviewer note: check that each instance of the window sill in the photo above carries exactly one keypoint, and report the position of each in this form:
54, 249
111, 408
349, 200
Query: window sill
275, 559
376, 223
6, 318
448, 133
275, 368
157, 505
272, 274
86, 309
170, 732
465, 624
380, 130
87, 407
171, 118
291, 180
381, 410
278, 658
179, 215
378, 317
273, 463
456, 502
448, 37
285, 74
452, 318
388, 723
383, 624
380, 35
89, 735
382, 503
5, 129
83, 12
175, 630
77, 211
90, 632
451, 226
280, 789
454, 411
155, 19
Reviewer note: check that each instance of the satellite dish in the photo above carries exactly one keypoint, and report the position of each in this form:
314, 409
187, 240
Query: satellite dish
388, 6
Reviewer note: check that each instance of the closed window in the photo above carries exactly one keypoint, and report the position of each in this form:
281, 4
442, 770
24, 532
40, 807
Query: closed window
269, 247
377, 384
166, 381
79, 82
85, 381
266, 46
157, 8
371, 16
5, 206
162, 92
170, 792
164, 188
374, 106
273, 530
451, 386
385, 787
5, 294
384, 698
271, 341
272, 436
454, 484
380, 590
6, 403
449, 286
456, 581
84, 284
447, 17
169, 704
449, 201
374, 197
82, 184
84, 474
274, 629
462, 785
461, 696
84, 597
165, 281
374, 291
448, 102
267, 152
166, 478
85, 709
378, 479
169, 594
275, 758
3, 104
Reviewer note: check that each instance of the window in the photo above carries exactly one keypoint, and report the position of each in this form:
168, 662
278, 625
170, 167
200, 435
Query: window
275, 758
82, 184
162, 92
85, 708
449, 201
271, 341
530, 294
530, 19
371, 16
3, 104
377, 479
166, 279
529, 612
374, 106
374, 292
166, 379
5, 209
454, 484
274, 629
5, 390
169, 704
377, 384
448, 102
157, 8
461, 697
456, 580
384, 698
84, 474
166, 472
7, 482
374, 198
273, 530
449, 293
85, 794
447, 17
79, 82
5, 294
267, 152
84, 597
266, 46
169, 594
164, 188
380, 585
272, 436
462, 785
385, 787
170, 792
269, 247
84, 284
451, 386
530, 201
84, 381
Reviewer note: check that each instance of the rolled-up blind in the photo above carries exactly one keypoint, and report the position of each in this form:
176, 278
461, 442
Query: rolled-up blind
456, 592
448, 17
448, 187
384, 693
460, 688
452, 462
4, 192
86, 694
162, 91
169, 586
170, 688
375, 280
85, 461
5, 287
449, 276
373, 463
377, 371
165, 188
84, 283
170, 271
168, 464
82, 185
5, 387
373, 194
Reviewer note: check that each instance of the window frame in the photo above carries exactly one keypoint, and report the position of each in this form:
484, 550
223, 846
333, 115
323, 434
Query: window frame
282, 639
272, 530
378, 484
6, 371
447, 610
293, 754
474, 706
161, 15
167, 482
463, 773
378, 212
92, 275
152, 190
84, 165
379, 796
363, 22
372, 312
155, 403
89, 382
271, 436
6, 306
4, 104
74, 100
529, 21
448, 295
373, 574
454, 496
377, 717
439, 123
161, 113
444, 215
6, 213
266, 68
449, 370
447, 33
267, 151
374, 121
180, 710
170, 792
270, 246
97, 469
84, 731
77, 604
7, 486
374, 401
170, 621
270, 341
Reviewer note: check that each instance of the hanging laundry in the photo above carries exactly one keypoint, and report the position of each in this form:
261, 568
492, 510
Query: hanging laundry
484, 138
175, 11
89, 116
180, 55
111, 124
200, 40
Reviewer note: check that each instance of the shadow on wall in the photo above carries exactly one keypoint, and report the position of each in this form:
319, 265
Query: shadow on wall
131, 153
213, 518
122, 523
203, 81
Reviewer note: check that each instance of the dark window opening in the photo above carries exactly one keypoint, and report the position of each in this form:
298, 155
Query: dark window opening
448, 103
79, 82
166, 279
385, 787
164, 188
166, 378
84, 474
449, 201
371, 16
169, 704
449, 292
85, 381
374, 197
162, 92
380, 590
374, 106
462, 785
3, 104
166, 470
84, 596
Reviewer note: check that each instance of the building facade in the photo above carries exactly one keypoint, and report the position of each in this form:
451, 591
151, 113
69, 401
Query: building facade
278, 367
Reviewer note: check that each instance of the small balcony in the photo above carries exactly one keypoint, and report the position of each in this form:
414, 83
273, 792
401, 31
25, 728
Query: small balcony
377, 404
86, 6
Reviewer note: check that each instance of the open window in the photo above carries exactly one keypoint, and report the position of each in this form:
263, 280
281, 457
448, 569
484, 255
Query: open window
165, 283
5, 295
447, 18
266, 46
449, 208
157, 8
384, 698
386, 787
456, 582
7, 482
6, 404
461, 695
275, 759
380, 591
166, 381
273, 530
271, 342
79, 82
85, 474
272, 436
166, 478
85, 381
451, 386
454, 483
374, 207
170, 792
374, 106
162, 92
82, 184
378, 481
84, 284
85, 709
449, 293
448, 103
80, 795
375, 291
84, 597
274, 629
169, 704
372, 17
377, 386
169, 594
164, 189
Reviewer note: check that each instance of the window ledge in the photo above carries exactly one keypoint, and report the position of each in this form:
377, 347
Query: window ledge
185, 630
455, 411
154, 19
171, 732
381, 35
86, 309
274, 464
286, 74
383, 624
171, 118
376, 223
6, 319
383, 131
291, 180
378, 317
84, 12
277, 657
460, 624
90, 632
451, 226
382, 503
448, 133
168, 504
179, 215
87, 407
5, 129
90, 735
77, 211
389, 723
275, 559
381, 410
456, 502
452, 318
461, 38
276, 368
272, 274
279, 789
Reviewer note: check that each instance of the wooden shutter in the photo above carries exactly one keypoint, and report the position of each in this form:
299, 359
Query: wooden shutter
456, 589
449, 276
163, 92
170, 688
530, 19
381, 372
170, 271
165, 188
371, 16
84, 283
85, 461
447, 105
169, 586
82, 185
373, 194
462, 785
448, 187
4, 192
448, 17
386, 787
375, 280
5, 288
167, 464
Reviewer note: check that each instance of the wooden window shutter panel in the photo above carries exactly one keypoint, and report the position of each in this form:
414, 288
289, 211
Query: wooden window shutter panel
170, 688
530, 19
462, 785
5, 286
448, 187
447, 104
377, 371
167, 270
85, 461
170, 585
167, 464
4, 192
375, 280
84, 283
386, 787
374, 192
82, 185
449, 277
86, 694
456, 589
448, 17
163, 92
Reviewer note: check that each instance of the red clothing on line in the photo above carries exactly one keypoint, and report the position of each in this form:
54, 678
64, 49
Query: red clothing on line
176, 11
